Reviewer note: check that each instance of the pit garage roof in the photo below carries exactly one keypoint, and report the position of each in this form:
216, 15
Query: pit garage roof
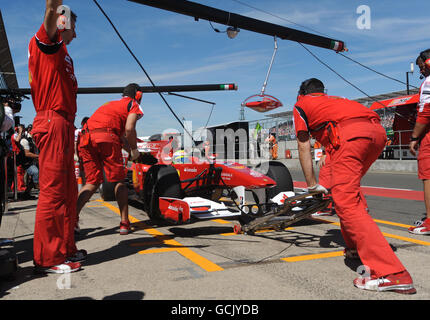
369, 101
7, 70
366, 101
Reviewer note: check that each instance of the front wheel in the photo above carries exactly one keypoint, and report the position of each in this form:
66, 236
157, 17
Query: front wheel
280, 174
160, 181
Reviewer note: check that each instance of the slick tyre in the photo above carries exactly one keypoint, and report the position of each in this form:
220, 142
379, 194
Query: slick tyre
160, 181
282, 176
107, 190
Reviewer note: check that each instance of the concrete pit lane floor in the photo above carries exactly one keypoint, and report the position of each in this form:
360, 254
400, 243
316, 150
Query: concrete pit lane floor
207, 261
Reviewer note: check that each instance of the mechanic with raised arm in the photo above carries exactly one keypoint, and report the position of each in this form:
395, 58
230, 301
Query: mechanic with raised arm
421, 136
53, 90
354, 137
100, 145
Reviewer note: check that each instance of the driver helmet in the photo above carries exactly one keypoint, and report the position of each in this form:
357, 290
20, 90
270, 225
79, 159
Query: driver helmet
180, 157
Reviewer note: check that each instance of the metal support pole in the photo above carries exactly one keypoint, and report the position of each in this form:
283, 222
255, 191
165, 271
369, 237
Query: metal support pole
144, 89
407, 82
199, 11
400, 145
6, 206
270, 67
15, 179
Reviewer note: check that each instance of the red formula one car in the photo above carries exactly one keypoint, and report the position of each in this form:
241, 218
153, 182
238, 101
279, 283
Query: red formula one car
181, 188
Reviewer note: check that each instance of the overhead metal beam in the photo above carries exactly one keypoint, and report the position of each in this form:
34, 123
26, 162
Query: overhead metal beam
145, 89
199, 11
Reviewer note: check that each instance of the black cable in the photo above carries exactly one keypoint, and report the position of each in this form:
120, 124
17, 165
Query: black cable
143, 69
281, 18
347, 81
368, 68
215, 29
316, 31
196, 99
338, 74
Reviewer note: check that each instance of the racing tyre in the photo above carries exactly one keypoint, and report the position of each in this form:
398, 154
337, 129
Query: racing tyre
107, 190
280, 173
160, 181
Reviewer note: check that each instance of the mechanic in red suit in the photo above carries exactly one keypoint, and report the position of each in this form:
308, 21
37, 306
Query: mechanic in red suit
324, 179
53, 90
111, 127
420, 135
20, 172
354, 137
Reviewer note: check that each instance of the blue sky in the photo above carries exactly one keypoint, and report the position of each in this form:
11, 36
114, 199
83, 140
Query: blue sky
176, 50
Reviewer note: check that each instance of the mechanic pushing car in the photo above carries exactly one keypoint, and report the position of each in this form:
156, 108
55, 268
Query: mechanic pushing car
354, 137
420, 135
53, 90
106, 132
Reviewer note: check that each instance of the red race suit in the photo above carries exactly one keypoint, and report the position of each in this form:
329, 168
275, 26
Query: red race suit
100, 143
358, 142
53, 90
423, 116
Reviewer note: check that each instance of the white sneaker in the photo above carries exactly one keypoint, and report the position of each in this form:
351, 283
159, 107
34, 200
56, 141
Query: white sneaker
399, 282
66, 267
420, 227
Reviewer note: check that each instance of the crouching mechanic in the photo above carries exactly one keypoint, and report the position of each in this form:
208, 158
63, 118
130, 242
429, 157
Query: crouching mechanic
354, 138
102, 137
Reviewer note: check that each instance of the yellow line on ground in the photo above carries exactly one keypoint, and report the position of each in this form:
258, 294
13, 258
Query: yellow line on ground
389, 235
221, 221
202, 262
116, 210
199, 260
228, 234
314, 256
392, 223
424, 243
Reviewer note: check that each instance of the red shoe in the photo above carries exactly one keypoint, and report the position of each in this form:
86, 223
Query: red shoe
124, 228
421, 227
400, 282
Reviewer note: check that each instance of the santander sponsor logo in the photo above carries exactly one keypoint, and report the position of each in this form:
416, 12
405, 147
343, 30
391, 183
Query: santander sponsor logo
177, 209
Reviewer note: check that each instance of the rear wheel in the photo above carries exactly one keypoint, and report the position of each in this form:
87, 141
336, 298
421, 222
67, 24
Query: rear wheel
160, 181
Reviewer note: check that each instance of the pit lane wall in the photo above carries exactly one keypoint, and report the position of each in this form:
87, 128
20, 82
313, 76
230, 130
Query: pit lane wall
401, 166
380, 165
